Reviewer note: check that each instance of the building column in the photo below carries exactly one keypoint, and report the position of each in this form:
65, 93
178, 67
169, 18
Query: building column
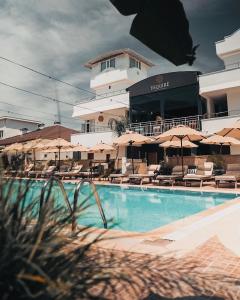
209, 107
162, 108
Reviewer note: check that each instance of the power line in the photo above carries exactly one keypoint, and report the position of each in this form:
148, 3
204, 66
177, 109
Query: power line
59, 80
45, 75
42, 112
26, 115
35, 94
51, 99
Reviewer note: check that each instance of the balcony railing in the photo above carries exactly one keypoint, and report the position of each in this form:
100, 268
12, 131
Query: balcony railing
158, 127
149, 128
86, 128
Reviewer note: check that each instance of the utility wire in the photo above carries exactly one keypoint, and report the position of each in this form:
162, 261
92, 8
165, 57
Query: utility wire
59, 80
42, 112
52, 99
26, 115
46, 75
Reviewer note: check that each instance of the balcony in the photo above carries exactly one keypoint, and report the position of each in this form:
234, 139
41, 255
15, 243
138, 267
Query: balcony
102, 103
94, 129
156, 128
220, 80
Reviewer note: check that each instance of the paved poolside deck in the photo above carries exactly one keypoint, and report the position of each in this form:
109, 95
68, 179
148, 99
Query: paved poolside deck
206, 253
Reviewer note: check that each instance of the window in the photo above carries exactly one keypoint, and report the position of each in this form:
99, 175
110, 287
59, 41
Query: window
90, 156
1, 134
133, 63
107, 64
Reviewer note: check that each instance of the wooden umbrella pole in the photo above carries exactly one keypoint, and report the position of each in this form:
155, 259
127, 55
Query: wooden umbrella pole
59, 158
182, 155
34, 159
220, 151
132, 156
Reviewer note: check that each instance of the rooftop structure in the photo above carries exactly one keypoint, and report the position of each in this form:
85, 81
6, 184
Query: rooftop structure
10, 126
51, 132
221, 89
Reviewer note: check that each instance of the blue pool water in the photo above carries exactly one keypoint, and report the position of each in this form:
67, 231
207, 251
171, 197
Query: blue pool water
136, 209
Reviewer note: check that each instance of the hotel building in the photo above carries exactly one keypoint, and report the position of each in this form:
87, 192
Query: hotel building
154, 104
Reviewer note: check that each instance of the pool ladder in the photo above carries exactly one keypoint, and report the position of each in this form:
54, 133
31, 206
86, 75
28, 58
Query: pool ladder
73, 210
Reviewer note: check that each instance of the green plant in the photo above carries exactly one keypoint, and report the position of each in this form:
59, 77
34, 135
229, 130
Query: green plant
118, 125
40, 260
218, 161
36, 261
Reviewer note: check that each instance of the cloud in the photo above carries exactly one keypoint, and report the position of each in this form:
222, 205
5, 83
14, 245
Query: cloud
58, 36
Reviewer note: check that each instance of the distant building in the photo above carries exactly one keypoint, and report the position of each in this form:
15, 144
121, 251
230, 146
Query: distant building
155, 104
10, 126
50, 132
111, 74
221, 89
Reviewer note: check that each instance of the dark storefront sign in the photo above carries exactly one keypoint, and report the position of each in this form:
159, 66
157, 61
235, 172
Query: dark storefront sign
163, 82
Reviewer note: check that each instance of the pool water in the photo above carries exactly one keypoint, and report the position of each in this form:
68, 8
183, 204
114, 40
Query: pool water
136, 209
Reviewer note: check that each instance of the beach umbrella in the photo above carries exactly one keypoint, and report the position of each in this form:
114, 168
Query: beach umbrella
14, 147
102, 147
78, 148
180, 133
231, 131
221, 140
34, 145
176, 144
58, 144
131, 138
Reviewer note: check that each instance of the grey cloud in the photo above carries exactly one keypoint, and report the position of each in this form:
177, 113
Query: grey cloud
58, 36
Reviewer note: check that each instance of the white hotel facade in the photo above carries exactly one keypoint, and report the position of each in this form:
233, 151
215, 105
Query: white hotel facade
217, 104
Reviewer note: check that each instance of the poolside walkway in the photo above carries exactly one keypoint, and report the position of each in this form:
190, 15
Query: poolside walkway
209, 272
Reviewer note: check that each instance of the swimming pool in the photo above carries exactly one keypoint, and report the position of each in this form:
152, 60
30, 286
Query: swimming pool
136, 209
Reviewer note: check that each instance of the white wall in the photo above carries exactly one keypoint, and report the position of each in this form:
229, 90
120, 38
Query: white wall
12, 127
210, 126
91, 139
229, 49
233, 99
86, 110
119, 73
219, 81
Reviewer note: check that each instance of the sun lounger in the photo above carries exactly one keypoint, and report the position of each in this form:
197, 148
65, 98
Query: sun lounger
176, 175
204, 173
49, 172
26, 170
232, 175
123, 178
75, 172
152, 170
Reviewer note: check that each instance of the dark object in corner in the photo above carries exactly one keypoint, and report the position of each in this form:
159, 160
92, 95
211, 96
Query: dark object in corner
161, 25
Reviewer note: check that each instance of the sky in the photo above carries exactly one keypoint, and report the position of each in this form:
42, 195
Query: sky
57, 37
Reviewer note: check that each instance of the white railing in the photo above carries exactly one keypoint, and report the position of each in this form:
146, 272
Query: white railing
93, 128
158, 127
150, 128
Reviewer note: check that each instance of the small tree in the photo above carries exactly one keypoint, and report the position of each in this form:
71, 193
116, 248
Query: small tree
119, 126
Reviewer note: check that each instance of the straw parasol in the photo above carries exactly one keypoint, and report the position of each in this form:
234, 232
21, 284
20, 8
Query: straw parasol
180, 133
14, 147
177, 144
101, 147
232, 131
34, 145
78, 148
221, 140
131, 139
58, 144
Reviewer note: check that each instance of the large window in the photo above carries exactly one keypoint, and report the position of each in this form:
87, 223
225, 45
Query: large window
1, 134
107, 64
133, 63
